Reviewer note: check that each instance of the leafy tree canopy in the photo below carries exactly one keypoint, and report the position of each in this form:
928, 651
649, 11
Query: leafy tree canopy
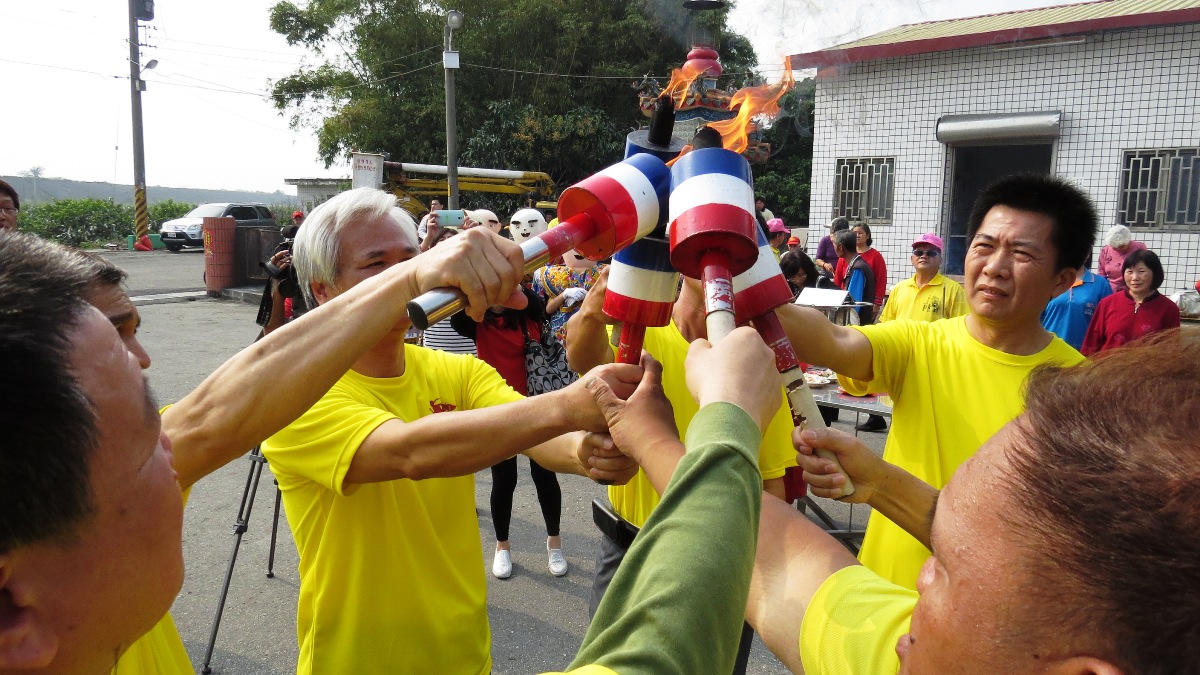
545, 85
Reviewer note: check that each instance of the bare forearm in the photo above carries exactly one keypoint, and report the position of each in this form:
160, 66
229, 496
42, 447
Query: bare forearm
907, 501
555, 303
463, 442
272, 382
587, 342
817, 340
793, 559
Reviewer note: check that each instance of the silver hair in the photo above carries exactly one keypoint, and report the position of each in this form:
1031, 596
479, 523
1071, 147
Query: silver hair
1118, 236
315, 252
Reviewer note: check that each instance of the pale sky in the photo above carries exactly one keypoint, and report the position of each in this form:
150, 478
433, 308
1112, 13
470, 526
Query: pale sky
208, 123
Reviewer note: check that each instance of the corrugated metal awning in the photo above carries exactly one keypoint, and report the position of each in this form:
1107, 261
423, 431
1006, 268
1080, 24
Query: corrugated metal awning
998, 126
1008, 27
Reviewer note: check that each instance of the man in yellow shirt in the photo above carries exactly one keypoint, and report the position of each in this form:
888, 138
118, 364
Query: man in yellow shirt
926, 296
377, 476
955, 382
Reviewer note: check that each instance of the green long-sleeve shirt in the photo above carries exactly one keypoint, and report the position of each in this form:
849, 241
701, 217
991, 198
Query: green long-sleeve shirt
678, 601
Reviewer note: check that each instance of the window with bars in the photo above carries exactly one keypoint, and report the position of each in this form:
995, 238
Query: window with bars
1161, 188
863, 189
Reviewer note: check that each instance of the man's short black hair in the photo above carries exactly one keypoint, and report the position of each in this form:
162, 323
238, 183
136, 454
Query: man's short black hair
1070, 210
48, 420
7, 189
1150, 260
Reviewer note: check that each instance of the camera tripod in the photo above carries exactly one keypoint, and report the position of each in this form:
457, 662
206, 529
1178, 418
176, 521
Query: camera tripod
240, 525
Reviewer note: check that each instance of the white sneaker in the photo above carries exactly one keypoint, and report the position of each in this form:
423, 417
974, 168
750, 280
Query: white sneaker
502, 565
558, 562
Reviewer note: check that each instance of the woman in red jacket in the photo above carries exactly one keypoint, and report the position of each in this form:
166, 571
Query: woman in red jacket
1137, 311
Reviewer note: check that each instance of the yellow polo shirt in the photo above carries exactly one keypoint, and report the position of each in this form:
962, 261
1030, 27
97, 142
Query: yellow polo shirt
941, 298
391, 573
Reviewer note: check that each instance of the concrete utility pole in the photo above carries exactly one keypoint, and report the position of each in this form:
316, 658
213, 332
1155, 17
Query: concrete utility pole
454, 19
138, 9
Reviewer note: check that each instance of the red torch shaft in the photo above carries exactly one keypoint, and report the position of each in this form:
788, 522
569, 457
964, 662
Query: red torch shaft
719, 317
805, 413
629, 345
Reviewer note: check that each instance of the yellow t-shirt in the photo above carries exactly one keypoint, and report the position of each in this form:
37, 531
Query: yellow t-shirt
951, 393
852, 624
391, 574
941, 298
160, 651
636, 499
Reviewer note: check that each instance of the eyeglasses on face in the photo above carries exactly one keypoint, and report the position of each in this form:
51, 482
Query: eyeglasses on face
9, 210
925, 253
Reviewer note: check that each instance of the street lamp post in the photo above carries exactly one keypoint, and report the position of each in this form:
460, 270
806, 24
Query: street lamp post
454, 20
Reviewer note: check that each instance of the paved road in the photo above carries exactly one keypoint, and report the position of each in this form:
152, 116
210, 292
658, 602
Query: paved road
537, 620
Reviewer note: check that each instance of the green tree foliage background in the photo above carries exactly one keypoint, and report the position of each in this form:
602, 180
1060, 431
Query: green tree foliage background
92, 222
545, 85
784, 180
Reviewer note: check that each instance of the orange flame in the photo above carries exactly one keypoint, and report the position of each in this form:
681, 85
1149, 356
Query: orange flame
681, 81
752, 102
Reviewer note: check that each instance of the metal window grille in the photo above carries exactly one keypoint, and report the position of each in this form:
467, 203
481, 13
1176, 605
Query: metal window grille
1161, 187
863, 189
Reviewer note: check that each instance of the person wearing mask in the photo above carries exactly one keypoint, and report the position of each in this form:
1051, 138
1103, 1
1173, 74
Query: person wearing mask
500, 342
1118, 243
1134, 312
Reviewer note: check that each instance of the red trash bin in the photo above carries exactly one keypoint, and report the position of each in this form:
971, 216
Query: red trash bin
218, 254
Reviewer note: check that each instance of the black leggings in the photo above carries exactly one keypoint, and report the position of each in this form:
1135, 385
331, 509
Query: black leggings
504, 483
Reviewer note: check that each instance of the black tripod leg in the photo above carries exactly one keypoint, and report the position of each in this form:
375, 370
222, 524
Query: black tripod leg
239, 528
274, 533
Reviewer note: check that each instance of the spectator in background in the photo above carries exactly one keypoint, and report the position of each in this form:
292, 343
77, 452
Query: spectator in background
926, 296
777, 235
441, 335
500, 342
435, 204
297, 218
1118, 243
864, 242
799, 270
564, 287
860, 278
793, 244
10, 205
1069, 314
827, 258
762, 213
1137, 311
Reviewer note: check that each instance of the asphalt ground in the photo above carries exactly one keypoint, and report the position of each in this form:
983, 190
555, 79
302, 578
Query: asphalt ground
537, 620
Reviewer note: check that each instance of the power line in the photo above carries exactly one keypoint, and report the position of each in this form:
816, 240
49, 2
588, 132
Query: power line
73, 70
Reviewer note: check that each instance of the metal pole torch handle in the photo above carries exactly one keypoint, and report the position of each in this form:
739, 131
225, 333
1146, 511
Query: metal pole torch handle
433, 306
719, 316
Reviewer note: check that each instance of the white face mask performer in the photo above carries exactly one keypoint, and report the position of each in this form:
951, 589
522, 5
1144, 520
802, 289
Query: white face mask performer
526, 224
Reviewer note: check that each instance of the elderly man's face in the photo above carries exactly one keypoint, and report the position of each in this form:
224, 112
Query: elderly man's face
98, 591
8, 213
971, 607
366, 248
1011, 267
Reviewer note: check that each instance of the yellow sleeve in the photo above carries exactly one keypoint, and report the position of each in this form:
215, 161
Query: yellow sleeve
320, 446
852, 624
777, 452
891, 348
889, 307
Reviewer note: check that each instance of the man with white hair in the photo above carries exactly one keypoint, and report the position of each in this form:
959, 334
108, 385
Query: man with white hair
377, 476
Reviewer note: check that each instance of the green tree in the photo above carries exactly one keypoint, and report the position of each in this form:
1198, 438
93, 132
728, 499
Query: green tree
168, 209
784, 181
378, 85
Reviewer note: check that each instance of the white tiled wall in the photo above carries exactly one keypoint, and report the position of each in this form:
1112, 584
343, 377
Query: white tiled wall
1120, 90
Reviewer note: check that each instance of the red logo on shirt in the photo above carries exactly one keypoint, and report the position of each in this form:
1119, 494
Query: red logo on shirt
435, 407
